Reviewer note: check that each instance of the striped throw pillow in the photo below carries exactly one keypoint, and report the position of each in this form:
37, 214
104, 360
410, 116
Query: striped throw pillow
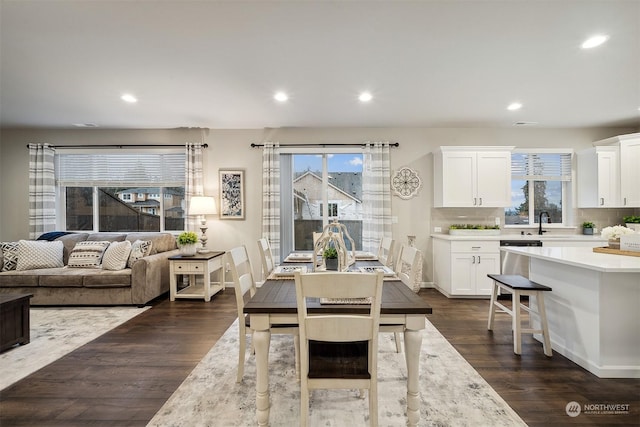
87, 254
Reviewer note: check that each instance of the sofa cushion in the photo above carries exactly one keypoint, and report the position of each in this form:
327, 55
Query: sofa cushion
116, 256
63, 277
160, 242
88, 254
139, 249
108, 279
17, 279
35, 254
9, 255
106, 237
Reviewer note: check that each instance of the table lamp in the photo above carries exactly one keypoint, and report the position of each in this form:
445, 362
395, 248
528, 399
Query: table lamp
202, 205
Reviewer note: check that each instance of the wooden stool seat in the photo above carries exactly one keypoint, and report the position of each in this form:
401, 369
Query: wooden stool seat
519, 285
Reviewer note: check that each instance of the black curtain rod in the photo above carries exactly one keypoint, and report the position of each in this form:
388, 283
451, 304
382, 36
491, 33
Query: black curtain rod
395, 144
123, 146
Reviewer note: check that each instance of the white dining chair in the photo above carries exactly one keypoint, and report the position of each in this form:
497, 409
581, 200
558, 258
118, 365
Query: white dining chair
338, 350
406, 268
245, 288
386, 251
266, 257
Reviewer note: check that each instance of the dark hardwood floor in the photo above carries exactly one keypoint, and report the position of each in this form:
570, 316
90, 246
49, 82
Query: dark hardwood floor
125, 376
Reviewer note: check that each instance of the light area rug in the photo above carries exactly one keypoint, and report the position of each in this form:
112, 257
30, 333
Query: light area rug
452, 392
56, 332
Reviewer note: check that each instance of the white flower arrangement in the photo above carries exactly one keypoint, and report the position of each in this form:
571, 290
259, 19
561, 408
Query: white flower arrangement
615, 232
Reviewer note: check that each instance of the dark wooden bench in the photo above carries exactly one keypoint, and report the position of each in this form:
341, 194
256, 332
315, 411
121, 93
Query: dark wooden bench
519, 285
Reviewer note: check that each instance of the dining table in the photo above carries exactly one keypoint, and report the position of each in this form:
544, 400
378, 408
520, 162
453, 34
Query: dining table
274, 303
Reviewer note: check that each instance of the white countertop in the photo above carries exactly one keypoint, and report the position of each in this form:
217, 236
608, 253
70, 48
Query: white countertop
548, 238
581, 257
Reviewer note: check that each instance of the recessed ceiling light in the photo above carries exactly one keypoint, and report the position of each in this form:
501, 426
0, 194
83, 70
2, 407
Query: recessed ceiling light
514, 106
281, 97
365, 97
127, 97
594, 41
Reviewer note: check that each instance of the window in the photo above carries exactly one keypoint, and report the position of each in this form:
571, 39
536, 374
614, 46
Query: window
127, 191
540, 182
313, 186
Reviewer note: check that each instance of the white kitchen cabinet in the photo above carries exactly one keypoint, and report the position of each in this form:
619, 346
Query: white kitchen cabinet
630, 172
627, 171
461, 266
598, 177
472, 176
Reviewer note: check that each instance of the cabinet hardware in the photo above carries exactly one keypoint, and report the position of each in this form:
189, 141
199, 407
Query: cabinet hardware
480, 204
476, 247
625, 201
601, 201
474, 259
479, 259
475, 201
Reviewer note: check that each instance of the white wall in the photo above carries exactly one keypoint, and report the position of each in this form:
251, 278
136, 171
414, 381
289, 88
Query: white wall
231, 149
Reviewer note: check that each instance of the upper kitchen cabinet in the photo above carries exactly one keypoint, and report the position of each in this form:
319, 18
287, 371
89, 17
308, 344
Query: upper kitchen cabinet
472, 177
599, 177
627, 149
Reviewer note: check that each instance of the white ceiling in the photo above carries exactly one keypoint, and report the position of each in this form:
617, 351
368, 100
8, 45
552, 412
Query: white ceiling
217, 64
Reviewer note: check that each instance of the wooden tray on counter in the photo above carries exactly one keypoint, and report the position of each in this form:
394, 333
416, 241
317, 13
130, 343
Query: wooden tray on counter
616, 251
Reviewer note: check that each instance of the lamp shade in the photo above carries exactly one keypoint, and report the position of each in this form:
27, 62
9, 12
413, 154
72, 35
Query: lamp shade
202, 205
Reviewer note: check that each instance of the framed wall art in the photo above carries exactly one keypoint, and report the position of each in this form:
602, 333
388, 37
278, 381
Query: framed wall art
231, 194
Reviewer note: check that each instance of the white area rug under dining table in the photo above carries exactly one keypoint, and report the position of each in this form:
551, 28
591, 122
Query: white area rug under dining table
452, 392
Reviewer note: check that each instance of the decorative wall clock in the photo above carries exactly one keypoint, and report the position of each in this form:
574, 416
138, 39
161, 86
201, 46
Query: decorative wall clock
406, 183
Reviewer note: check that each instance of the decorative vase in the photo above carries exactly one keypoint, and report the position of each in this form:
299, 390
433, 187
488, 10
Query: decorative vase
587, 231
188, 250
614, 243
634, 226
331, 263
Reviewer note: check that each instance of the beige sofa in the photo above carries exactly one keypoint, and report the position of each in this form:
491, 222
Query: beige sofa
147, 278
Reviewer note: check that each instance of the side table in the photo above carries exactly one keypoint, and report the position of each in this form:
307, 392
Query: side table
14, 320
200, 264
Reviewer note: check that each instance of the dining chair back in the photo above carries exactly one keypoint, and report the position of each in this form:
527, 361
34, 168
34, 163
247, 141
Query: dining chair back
408, 266
338, 350
245, 288
386, 251
266, 256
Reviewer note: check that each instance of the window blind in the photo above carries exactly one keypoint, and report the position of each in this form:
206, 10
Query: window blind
541, 166
116, 169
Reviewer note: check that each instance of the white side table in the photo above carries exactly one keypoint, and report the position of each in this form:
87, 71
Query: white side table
200, 264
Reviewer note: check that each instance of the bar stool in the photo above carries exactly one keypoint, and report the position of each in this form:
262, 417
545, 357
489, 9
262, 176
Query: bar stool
519, 285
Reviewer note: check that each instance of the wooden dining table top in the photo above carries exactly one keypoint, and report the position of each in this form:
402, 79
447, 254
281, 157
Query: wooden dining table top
278, 296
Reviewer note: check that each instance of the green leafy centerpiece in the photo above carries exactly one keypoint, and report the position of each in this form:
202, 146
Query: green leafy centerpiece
474, 229
187, 243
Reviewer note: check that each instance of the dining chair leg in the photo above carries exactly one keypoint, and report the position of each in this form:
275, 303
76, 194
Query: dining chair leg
241, 354
304, 406
396, 336
373, 404
296, 345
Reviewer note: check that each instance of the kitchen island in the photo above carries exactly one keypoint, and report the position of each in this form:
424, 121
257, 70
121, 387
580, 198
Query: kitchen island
594, 308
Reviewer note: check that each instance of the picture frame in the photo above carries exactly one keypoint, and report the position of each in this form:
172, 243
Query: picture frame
232, 204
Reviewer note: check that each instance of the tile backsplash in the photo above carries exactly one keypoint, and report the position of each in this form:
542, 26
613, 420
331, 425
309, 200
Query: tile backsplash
601, 217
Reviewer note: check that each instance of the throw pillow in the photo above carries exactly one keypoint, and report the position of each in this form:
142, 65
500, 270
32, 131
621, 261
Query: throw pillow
34, 254
116, 255
10, 255
139, 249
87, 254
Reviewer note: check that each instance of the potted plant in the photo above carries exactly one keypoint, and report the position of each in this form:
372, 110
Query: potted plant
330, 255
632, 222
187, 243
587, 227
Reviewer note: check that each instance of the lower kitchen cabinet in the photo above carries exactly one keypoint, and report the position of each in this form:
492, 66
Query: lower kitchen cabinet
461, 266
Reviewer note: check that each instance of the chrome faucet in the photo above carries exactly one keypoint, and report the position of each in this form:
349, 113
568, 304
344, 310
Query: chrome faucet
540, 230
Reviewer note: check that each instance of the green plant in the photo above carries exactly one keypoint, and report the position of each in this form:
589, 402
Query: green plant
632, 219
187, 238
588, 224
330, 253
473, 227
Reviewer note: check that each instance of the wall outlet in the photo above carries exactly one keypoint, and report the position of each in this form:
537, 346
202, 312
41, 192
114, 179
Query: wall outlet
437, 229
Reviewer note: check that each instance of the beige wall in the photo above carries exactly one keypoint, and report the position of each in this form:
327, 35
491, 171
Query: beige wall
230, 149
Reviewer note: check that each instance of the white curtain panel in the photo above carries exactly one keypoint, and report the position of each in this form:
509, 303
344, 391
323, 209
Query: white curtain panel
193, 182
42, 190
271, 196
376, 195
